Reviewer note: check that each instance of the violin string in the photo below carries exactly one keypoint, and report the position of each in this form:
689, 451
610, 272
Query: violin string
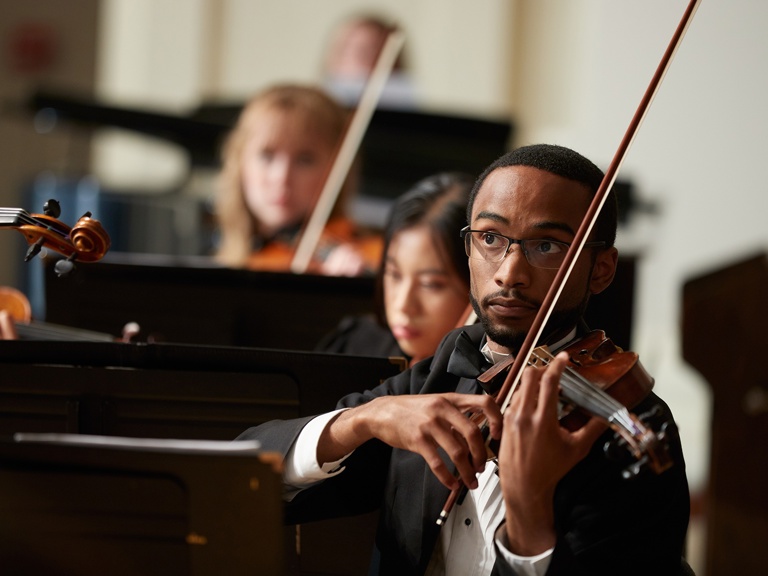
19, 214
25, 218
38, 331
583, 392
597, 400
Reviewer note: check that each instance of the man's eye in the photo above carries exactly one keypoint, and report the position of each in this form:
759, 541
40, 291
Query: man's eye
490, 240
547, 247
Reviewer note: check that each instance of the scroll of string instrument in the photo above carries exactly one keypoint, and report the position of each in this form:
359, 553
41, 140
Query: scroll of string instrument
86, 241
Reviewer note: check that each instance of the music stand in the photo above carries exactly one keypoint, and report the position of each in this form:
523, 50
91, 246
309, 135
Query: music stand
88, 505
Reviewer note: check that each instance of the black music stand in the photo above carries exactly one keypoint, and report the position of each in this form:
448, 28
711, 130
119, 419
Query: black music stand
171, 390
193, 301
93, 505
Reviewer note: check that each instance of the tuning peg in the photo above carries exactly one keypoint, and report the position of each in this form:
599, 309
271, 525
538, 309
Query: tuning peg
634, 469
34, 249
617, 450
52, 208
653, 415
65, 267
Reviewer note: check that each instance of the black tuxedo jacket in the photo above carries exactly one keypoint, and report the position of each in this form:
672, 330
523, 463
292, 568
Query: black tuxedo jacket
605, 524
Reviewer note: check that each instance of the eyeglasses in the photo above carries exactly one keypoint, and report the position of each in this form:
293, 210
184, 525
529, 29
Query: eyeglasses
493, 247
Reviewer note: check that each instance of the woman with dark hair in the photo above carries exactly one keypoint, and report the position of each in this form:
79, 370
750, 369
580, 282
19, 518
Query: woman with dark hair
422, 284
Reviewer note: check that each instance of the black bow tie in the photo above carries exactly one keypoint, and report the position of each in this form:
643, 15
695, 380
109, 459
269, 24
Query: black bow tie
466, 360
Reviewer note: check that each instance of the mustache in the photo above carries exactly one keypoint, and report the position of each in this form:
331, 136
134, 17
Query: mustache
510, 294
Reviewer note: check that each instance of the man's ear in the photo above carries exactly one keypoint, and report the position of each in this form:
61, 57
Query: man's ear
603, 270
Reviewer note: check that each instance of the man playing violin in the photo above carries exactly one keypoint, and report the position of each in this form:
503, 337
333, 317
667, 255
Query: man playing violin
552, 502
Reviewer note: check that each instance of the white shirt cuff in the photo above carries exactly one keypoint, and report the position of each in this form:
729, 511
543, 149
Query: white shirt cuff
525, 565
300, 468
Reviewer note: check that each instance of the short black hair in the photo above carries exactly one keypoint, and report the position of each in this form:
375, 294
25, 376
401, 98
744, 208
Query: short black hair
568, 164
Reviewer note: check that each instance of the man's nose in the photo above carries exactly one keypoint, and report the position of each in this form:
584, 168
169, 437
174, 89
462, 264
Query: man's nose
514, 269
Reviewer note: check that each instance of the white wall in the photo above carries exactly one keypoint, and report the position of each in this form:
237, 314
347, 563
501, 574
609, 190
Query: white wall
153, 55
452, 46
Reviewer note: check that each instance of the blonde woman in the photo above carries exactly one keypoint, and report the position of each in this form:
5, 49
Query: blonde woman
275, 163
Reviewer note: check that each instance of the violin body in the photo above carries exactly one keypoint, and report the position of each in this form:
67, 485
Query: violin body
603, 381
15, 305
278, 256
607, 366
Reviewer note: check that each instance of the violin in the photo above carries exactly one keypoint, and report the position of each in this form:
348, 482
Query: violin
605, 381
16, 322
577, 388
277, 256
86, 241
601, 380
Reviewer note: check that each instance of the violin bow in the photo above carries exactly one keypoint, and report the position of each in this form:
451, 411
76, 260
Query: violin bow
512, 379
346, 154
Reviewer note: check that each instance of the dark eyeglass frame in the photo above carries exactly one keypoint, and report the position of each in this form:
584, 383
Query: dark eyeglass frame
466, 234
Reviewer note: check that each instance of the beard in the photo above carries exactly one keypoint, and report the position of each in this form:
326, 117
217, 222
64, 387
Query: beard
559, 322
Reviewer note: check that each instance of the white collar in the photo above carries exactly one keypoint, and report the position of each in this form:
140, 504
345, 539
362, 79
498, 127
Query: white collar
494, 357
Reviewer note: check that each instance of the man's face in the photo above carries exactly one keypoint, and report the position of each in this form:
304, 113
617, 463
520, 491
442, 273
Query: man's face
527, 203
